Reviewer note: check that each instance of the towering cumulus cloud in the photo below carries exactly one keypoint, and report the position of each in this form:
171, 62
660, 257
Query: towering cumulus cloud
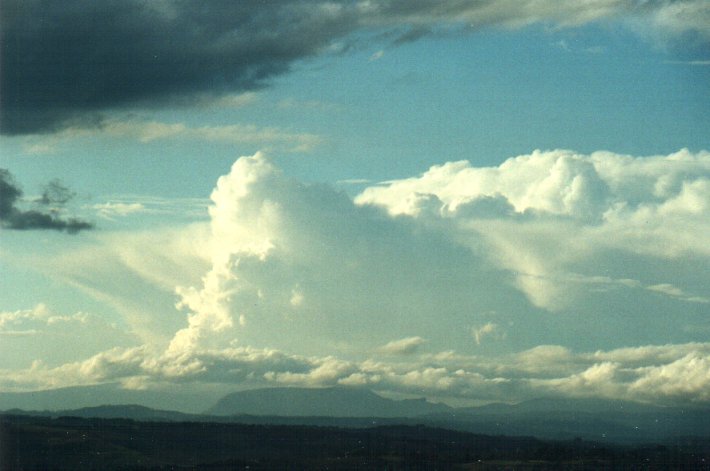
293, 261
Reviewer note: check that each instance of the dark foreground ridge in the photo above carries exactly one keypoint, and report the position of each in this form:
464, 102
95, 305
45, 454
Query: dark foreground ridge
64, 443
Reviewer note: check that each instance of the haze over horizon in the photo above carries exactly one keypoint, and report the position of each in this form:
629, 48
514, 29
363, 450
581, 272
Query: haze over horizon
470, 201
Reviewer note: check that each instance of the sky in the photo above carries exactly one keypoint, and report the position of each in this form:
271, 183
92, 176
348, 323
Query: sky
469, 201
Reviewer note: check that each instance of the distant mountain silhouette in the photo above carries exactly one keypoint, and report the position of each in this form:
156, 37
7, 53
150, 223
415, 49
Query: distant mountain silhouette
591, 419
129, 411
104, 394
126, 411
321, 402
558, 405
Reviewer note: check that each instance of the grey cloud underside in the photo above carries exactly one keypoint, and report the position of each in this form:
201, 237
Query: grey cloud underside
53, 196
62, 63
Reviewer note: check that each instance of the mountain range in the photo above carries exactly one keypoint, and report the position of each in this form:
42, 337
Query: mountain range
321, 402
593, 419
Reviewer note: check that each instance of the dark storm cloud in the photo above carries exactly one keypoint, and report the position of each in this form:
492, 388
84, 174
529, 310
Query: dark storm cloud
62, 63
54, 196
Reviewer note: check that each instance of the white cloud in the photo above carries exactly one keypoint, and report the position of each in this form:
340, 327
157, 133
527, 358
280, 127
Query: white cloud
377, 55
291, 261
147, 131
489, 329
235, 101
42, 333
672, 291
134, 273
679, 377
403, 346
677, 18
551, 216
111, 209
270, 138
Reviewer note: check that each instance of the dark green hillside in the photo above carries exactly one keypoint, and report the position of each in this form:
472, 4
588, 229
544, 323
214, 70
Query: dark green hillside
41, 443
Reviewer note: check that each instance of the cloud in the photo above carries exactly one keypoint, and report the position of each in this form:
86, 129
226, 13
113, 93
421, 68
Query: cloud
678, 377
65, 64
351, 267
73, 60
127, 205
146, 132
489, 329
403, 346
283, 285
41, 332
681, 381
54, 197
269, 138
559, 219
670, 290
112, 209
134, 273
682, 18
377, 56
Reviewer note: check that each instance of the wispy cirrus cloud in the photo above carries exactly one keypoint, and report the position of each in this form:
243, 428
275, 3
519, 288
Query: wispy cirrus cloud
155, 131
129, 205
270, 138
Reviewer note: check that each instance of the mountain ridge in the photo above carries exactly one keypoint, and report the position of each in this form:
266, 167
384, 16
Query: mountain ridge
594, 419
326, 402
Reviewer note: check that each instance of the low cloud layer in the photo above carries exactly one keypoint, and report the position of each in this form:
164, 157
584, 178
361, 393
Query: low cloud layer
64, 63
667, 374
47, 214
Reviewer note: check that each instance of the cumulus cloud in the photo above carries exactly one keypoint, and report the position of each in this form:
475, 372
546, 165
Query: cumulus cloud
291, 261
64, 64
551, 371
48, 212
552, 216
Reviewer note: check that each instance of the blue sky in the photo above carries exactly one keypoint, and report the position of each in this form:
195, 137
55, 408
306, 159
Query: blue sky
491, 201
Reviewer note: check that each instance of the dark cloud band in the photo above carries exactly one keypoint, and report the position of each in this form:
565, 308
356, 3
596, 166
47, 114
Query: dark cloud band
62, 63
